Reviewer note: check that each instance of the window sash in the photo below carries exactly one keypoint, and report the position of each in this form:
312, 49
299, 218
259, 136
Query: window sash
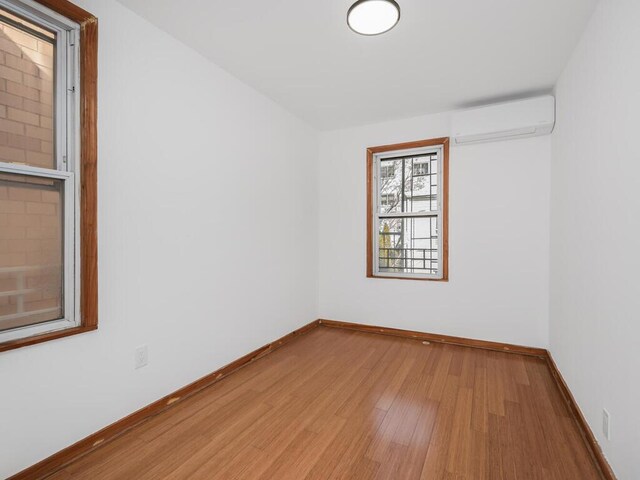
378, 216
70, 264
66, 77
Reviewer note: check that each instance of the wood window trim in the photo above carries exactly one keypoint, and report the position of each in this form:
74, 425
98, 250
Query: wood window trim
371, 152
88, 175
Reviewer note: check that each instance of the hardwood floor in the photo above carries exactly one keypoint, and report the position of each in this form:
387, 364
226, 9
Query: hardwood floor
338, 404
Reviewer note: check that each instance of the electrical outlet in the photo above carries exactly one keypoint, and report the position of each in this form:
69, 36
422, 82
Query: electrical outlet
606, 424
141, 356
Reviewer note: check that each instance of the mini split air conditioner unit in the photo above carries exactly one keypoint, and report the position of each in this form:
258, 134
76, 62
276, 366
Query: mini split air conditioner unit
504, 121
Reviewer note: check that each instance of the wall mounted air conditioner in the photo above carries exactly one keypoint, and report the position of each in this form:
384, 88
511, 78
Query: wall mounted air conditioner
504, 121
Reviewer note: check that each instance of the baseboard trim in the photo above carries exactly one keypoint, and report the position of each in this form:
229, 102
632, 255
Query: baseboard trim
434, 337
59, 460
587, 435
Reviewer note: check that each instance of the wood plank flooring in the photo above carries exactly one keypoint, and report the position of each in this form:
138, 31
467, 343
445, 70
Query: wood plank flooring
338, 404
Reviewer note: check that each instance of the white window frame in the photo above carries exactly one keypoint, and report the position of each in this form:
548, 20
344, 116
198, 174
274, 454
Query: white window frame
67, 138
438, 150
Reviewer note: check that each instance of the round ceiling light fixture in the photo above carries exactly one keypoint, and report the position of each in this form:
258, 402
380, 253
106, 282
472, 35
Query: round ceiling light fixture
373, 17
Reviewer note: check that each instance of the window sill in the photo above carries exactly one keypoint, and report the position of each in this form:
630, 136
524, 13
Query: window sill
444, 279
45, 337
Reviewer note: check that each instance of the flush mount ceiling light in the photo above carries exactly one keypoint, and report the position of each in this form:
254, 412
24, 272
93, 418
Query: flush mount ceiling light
373, 17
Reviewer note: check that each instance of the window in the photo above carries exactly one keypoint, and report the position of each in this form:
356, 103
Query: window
48, 247
388, 199
407, 211
420, 169
387, 171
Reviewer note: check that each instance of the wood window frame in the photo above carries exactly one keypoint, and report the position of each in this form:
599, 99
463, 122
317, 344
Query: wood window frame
371, 152
88, 175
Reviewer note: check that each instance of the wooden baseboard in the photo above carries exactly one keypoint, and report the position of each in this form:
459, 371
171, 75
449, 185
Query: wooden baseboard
587, 435
433, 337
62, 458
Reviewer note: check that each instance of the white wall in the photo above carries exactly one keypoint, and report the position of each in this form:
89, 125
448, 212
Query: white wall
207, 239
595, 229
498, 231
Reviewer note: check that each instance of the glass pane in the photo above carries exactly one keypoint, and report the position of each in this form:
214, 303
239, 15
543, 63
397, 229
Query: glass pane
31, 241
408, 245
421, 183
390, 186
26, 92
409, 184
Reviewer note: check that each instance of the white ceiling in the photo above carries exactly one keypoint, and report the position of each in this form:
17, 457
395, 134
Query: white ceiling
444, 54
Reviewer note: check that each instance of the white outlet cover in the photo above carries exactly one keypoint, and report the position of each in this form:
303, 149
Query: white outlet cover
141, 356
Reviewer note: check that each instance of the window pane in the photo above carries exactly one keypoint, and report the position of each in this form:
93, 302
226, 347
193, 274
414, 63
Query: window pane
31, 241
390, 186
409, 184
26, 92
408, 245
421, 183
